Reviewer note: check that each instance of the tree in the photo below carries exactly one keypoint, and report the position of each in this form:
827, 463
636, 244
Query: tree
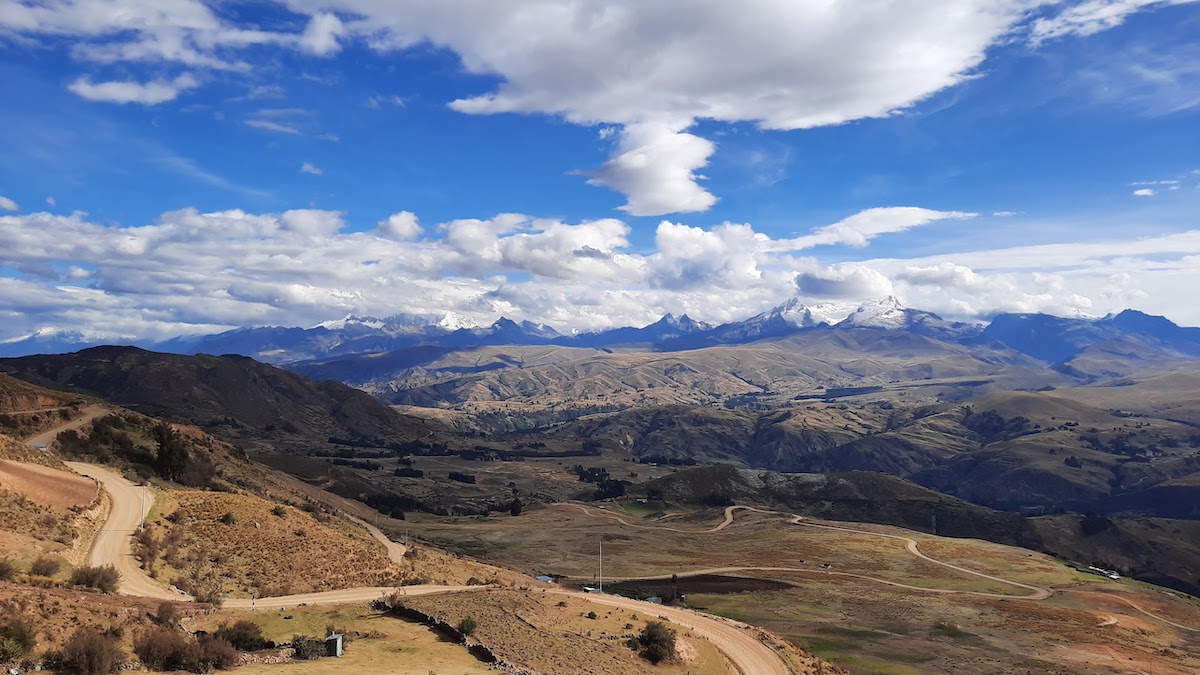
657, 641
172, 457
515, 508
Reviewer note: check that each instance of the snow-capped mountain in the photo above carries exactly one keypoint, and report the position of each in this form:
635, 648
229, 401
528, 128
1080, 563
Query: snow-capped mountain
887, 313
670, 327
352, 321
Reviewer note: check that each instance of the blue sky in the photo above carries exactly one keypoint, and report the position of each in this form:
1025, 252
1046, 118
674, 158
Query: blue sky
676, 156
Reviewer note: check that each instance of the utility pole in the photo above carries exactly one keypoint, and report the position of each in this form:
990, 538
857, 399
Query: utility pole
601, 564
935, 523
142, 512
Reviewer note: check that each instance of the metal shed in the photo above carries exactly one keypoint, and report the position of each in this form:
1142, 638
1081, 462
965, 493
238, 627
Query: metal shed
333, 645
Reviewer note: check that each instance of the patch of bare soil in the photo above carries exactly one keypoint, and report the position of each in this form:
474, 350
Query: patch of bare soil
59, 491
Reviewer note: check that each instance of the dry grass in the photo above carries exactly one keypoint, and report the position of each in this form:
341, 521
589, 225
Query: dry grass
56, 613
378, 644
263, 553
552, 634
866, 626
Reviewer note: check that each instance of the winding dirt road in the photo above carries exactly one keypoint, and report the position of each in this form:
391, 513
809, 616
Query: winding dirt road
90, 412
112, 545
1035, 593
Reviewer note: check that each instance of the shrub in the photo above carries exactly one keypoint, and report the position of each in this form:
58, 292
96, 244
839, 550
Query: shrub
244, 635
18, 637
467, 626
591, 615
228, 519
90, 652
44, 566
7, 570
209, 653
168, 615
307, 647
657, 642
160, 648
278, 511
104, 579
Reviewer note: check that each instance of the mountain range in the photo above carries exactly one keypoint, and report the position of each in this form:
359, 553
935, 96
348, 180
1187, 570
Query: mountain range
1045, 337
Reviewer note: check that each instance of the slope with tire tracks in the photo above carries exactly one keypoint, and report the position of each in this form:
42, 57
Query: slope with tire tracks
1036, 593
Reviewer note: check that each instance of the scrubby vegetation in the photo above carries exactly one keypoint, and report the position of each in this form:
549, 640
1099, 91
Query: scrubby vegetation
165, 649
18, 636
88, 652
656, 642
104, 579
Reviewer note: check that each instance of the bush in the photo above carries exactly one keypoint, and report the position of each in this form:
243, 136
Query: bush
209, 653
228, 519
160, 648
307, 647
467, 626
44, 566
90, 652
18, 637
104, 579
278, 511
168, 615
7, 570
657, 642
244, 635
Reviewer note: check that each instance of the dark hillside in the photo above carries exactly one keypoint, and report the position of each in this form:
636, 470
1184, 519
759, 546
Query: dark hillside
234, 397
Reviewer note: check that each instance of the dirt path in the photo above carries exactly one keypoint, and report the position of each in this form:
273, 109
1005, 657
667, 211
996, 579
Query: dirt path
395, 550
112, 545
1035, 593
732, 638
90, 413
729, 510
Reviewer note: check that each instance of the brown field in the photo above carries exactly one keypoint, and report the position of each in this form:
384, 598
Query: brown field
552, 634
59, 491
864, 624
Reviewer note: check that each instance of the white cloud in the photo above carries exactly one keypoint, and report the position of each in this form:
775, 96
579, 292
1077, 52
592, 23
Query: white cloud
7, 204
322, 34
51, 202
403, 226
859, 229
128, 91
1093, 16
190, 271
273, 126
310, 168
655, 166
844, 281
1143, 192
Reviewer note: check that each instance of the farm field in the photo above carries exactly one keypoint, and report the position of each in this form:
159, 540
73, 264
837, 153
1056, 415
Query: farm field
856, 598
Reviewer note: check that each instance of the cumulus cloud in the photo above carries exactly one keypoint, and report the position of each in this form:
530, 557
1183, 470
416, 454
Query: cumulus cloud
403, 226
844, 281
311, 169
128, 91
655, 167
7, 204
652, 69
190, 271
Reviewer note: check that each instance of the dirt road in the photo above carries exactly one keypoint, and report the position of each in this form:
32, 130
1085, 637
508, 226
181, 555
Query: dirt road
395, 550
90, 413
112, 546
1035, 593
734, 639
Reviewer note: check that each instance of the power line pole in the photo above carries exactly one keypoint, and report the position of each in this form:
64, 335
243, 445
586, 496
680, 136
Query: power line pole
142, 512
601, 564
